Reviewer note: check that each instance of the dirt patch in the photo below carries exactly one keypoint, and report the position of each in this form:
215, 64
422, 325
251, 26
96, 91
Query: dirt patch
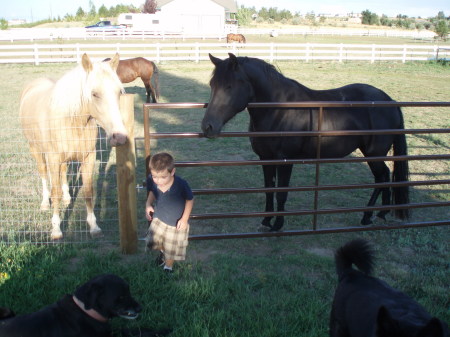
325, 252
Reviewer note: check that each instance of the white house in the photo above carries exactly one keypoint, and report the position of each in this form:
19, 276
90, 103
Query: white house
187, 17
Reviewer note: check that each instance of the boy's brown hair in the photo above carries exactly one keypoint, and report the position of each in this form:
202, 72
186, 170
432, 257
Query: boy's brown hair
162, 161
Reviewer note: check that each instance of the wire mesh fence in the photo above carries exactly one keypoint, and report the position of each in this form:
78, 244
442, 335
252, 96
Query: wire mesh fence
21, 195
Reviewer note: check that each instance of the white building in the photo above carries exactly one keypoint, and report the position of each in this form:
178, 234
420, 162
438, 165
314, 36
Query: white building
185, 17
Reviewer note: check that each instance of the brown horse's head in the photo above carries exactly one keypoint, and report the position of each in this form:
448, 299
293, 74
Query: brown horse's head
102, 93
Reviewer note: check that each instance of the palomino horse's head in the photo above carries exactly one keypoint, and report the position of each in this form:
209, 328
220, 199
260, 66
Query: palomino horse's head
231, 91
102, 94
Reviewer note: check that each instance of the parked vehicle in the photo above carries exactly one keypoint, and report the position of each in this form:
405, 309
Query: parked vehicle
104, 25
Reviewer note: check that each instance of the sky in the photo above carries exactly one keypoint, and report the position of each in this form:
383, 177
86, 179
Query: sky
32, 10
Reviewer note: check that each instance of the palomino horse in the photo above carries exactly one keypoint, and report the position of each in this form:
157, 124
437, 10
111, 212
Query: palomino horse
129, 70
59, 119
235, 37
237, 81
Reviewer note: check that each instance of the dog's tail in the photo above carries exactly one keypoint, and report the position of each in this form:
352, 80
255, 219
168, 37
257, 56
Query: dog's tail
358, 252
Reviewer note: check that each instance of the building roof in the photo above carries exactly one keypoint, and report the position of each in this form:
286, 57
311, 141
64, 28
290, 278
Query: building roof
229, 5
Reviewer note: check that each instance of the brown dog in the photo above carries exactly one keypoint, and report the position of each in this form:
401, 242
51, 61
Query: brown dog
365, 306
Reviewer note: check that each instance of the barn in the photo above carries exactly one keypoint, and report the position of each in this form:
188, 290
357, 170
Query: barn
198, 16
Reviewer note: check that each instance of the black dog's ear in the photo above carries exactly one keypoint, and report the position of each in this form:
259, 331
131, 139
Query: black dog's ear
88, 294
434, 328
386, 325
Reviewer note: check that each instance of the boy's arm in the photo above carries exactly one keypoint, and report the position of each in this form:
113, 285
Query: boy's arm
149, 206
184, 220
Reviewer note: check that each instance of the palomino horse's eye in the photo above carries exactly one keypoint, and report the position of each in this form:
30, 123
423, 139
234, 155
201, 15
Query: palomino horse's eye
95, 94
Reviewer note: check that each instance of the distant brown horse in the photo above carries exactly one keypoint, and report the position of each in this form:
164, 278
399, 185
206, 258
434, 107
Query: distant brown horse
235, 37
129, 70
59, 119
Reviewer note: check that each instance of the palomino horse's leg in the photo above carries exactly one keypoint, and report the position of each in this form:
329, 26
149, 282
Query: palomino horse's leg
381, 174
269, 182
65, 186
87, 173
56, 193
284, 176
42, 169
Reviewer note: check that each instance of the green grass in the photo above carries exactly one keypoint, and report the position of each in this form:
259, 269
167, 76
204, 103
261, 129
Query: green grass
253, 287
264, 287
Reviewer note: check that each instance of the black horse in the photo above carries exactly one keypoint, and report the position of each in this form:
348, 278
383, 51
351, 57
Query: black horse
237, 81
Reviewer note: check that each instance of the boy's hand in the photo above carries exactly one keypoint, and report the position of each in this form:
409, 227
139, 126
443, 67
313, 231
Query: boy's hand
149, 213
182, 225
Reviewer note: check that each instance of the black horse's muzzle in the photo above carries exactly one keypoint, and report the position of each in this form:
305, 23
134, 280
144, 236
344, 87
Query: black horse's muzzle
209, 130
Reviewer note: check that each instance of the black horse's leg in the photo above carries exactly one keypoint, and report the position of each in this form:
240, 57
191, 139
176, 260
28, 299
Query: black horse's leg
269, 181
284, 176
381, 173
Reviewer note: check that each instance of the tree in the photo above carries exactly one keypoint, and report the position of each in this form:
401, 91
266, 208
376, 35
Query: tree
441, 15
369, 18
3, 24
80, 13
150, 6
263, 13
244, 16
103, 11
92, 10
442, 29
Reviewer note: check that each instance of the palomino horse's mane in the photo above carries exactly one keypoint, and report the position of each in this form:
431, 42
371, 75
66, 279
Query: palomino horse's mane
71, 94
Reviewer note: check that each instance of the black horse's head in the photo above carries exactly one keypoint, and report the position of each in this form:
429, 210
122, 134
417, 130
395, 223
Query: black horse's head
231, 91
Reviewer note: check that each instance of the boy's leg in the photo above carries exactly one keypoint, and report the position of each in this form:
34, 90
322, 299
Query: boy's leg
169, 263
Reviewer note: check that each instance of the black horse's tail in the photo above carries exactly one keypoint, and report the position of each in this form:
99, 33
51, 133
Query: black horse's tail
156, 79
358, 252
400, 194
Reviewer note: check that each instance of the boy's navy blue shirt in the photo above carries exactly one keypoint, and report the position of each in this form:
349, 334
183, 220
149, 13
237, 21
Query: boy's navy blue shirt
169, 206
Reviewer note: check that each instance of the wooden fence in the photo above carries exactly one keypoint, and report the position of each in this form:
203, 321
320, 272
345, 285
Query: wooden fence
159, 52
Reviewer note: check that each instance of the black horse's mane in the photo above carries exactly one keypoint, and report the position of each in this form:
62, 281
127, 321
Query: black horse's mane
222, 75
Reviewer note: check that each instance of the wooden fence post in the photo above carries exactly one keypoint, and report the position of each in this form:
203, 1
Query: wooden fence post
126, 180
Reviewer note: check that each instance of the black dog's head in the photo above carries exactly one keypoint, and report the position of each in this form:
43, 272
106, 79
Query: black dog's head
110, 296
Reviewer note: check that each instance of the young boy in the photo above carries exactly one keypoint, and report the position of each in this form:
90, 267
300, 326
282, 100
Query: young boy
168, 207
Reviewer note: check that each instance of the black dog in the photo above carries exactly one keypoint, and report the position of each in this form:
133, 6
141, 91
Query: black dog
365, 306
86, 313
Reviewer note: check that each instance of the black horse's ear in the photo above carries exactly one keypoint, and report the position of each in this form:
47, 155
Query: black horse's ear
214, 60
233, 60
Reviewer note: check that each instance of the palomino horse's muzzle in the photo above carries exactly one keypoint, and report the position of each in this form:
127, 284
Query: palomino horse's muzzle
118, 138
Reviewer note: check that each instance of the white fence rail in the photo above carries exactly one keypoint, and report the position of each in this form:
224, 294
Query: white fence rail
159, 52
51, 34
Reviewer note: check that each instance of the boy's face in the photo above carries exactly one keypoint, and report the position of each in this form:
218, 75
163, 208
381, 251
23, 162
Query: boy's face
163, 179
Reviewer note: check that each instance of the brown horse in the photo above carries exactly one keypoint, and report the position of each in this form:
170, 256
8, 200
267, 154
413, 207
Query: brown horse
129, 70
235, 37
59, 119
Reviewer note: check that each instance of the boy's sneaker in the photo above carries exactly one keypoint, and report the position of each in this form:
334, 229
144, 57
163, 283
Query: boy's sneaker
160, 260
168, 270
